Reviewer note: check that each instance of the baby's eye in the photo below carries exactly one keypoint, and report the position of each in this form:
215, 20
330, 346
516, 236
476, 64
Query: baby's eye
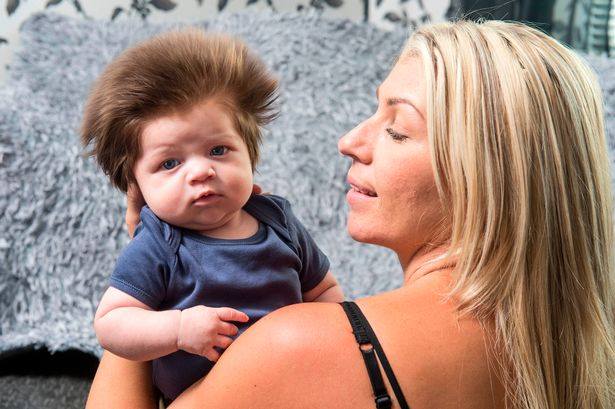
218, 150
170, 164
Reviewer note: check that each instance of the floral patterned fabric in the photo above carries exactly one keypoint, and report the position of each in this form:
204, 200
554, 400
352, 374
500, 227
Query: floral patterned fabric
385, 14
587, 25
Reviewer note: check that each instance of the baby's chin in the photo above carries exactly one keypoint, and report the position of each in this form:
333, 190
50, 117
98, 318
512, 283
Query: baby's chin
221, 222
199, 226
212, 217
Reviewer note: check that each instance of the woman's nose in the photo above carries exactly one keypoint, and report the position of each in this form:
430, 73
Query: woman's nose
355, 144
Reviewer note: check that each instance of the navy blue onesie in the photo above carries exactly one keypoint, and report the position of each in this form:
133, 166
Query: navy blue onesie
167, 268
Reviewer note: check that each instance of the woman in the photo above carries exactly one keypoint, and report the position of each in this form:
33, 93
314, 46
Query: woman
485, 169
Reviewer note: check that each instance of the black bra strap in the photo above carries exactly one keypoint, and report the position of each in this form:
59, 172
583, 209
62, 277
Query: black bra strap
383, 400
364, 334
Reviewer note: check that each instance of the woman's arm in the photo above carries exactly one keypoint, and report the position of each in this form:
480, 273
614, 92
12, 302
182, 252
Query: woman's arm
120, 383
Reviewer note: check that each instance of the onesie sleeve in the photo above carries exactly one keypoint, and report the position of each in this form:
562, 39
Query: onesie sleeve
142, 268
314, 263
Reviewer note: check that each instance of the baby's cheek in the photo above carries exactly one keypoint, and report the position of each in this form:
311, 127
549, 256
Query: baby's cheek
241, 184
162, 202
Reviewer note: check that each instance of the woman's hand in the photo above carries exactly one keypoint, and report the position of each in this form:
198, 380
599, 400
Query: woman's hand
135, 201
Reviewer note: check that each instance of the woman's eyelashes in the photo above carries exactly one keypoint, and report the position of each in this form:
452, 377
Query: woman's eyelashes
396, 135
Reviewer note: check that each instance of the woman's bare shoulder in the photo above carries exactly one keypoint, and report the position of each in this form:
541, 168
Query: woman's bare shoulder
303, 355
305, 330
443, 358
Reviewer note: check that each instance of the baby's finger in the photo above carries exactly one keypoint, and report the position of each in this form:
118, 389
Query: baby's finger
225, 328
212, 355
223, 342
230, 314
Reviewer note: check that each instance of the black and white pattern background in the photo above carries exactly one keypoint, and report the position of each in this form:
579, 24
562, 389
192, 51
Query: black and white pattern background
385, 14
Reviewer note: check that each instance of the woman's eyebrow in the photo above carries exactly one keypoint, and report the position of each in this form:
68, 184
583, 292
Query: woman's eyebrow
396, 100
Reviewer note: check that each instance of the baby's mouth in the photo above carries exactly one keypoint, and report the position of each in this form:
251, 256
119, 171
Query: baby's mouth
205, 197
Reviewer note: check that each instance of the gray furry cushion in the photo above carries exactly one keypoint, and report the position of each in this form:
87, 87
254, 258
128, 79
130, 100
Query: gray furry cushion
62, 223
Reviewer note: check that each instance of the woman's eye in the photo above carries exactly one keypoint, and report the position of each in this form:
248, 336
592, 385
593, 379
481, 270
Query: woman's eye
218, 150
395, 135
170, 164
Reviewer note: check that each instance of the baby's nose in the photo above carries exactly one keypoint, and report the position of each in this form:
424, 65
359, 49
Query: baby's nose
201, 172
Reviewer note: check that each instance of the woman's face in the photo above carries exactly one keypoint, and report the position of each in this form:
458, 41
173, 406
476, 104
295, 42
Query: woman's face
393, 198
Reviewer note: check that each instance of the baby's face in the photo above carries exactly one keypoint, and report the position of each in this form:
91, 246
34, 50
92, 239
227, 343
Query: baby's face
194, 169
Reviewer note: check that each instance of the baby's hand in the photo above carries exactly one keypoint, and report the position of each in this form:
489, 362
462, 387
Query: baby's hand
203, 328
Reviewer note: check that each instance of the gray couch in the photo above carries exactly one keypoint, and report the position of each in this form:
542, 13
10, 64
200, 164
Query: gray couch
61, 226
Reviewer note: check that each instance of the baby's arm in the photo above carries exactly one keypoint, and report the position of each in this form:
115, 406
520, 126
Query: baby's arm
328, 290
129, 328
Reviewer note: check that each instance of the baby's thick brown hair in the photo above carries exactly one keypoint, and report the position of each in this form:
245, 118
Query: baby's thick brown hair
166, 74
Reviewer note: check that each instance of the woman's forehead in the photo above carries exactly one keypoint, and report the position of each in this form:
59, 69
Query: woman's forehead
405, 83
406, 75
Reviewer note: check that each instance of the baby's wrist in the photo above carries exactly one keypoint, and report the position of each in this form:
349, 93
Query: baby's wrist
178, 329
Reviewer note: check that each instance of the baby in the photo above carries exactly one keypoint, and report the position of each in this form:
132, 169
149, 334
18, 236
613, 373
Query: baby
179, 117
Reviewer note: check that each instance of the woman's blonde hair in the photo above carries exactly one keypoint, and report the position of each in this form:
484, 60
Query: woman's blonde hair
515, 121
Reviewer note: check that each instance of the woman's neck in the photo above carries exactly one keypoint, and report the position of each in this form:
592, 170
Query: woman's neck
426, 260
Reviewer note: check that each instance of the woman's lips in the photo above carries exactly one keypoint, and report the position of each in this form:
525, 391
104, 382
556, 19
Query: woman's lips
361, 187
356, 196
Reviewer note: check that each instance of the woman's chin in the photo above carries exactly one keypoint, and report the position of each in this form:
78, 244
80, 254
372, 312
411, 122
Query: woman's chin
362, 233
